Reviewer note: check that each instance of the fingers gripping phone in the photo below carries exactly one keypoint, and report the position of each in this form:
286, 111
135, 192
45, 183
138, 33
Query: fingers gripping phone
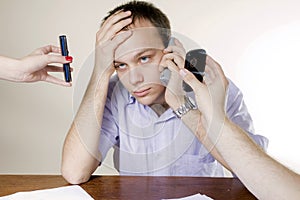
166, 73
195, 61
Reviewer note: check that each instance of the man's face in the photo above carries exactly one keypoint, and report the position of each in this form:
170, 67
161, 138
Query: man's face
137, 63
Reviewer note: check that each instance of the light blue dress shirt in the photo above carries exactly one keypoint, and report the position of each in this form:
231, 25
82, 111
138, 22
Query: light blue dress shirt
146, 144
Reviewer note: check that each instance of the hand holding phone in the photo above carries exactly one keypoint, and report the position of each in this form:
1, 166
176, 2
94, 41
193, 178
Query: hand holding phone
195, 61
165, 75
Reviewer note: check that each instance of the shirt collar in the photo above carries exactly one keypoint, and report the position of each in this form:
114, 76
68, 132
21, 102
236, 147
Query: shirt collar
131, 99
168, 114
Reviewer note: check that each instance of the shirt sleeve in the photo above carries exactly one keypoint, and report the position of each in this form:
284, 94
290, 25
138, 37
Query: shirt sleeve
237, 112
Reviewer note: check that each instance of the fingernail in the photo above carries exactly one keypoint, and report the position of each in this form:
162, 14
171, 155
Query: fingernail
69, 58
182, 72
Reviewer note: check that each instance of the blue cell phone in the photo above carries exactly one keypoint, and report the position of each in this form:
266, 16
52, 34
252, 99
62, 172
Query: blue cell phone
65, 52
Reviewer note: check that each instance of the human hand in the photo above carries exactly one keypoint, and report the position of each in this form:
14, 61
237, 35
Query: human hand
108, 38
211, 94
174, 59
35, 66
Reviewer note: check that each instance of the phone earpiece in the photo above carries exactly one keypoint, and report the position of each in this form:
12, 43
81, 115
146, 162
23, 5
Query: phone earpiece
171, 41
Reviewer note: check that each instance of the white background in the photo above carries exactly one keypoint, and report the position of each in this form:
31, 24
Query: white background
256, 42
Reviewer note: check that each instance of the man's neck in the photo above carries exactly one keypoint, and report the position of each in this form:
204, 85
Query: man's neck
159, 109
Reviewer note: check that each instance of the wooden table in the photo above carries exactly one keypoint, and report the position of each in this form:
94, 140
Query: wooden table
130, 187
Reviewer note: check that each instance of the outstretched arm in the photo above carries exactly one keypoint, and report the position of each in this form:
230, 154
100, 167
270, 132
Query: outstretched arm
260, 173
34, 67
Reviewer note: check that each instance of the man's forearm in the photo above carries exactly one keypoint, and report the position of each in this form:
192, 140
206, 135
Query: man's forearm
261, 174
193, 122
81, 155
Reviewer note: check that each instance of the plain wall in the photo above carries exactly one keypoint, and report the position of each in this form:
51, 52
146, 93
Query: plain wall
256, 42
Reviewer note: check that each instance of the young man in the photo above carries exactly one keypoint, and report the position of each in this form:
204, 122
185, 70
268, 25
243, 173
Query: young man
133, 111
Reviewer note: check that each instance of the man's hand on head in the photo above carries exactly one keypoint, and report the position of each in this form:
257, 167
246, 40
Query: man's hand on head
108, 38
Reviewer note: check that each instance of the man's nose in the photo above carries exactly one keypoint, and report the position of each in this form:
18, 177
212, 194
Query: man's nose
135, 76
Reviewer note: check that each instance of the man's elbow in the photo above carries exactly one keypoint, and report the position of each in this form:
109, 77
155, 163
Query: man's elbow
74, 177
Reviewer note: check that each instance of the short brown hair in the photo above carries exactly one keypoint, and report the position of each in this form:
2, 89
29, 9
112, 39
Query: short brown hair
147, 11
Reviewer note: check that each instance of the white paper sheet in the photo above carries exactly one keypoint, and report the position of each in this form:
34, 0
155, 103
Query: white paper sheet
193, 197
73, 192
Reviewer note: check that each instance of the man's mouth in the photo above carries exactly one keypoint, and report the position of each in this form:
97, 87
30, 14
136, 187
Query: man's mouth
141, 92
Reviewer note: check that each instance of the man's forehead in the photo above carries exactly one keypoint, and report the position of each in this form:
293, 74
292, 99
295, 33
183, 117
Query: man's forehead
134, 54
141, 38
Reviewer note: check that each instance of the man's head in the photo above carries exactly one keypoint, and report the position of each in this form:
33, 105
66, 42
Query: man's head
137, 59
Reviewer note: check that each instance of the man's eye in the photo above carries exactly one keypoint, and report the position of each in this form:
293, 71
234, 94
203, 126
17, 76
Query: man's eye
144, 59
120, 66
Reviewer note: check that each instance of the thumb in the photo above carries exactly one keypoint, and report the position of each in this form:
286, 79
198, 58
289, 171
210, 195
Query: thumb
190, 79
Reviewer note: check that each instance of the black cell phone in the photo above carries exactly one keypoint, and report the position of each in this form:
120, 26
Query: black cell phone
195, 62
65, 52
